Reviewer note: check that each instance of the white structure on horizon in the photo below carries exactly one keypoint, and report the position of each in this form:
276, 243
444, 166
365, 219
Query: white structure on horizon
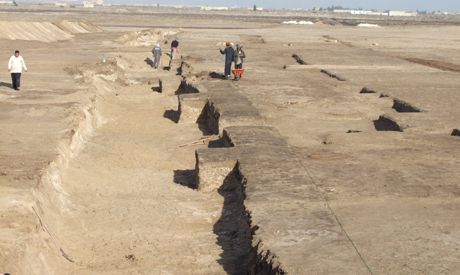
362, 12
208, 8
8, 2
92, 3
381, 13
402, 13
87, 4
61, 4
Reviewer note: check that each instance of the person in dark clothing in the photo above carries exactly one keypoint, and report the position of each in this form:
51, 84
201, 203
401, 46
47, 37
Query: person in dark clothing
229, 53
174, 46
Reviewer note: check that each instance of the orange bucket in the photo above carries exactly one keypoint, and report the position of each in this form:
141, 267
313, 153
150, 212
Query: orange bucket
238, 73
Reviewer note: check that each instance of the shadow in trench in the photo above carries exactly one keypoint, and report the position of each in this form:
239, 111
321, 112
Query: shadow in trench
159, 88
172, 115
233, 229
186, 178
186, 88
385, 123
208, 121
216, 143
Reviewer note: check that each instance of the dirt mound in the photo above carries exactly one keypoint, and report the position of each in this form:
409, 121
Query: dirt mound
77, 27
107, 69
144, 38
39, 31
44, 31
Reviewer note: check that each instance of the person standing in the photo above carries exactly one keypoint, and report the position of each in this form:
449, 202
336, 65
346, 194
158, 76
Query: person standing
156, 55
15, 66
174, 47
229, 53
239, 57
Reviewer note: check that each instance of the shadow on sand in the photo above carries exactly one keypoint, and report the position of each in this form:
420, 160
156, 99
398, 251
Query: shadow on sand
4, 84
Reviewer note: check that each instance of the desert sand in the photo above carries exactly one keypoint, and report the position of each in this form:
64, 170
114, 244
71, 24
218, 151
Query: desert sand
336, 153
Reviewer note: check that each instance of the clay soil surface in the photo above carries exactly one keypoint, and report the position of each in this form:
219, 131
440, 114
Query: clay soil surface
98, 171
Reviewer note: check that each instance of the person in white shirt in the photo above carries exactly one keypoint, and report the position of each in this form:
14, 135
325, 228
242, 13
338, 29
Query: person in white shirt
15, 66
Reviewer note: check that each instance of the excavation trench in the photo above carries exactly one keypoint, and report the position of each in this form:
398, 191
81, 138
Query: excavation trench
52, 200
235, 232
234, 229
208, 121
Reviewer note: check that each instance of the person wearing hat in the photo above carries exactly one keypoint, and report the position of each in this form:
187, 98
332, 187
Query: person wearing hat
229, 53
156, 55
15, 65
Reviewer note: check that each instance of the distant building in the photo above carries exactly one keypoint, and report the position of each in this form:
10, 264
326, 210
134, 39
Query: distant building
62, 5
208, 8
362, 12
88, 4
402, 13
9, 3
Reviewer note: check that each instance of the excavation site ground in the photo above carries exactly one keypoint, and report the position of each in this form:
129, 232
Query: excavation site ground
336, 153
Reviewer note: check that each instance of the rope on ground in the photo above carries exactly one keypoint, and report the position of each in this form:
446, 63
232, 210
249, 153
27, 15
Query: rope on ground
323, 197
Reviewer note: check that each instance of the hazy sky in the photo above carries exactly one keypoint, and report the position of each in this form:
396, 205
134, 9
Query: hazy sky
445, 5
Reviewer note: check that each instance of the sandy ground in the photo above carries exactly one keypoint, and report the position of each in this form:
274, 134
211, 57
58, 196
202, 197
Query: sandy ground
90, 166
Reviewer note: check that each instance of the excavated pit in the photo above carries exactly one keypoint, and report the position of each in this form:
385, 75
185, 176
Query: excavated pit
332, 75
404, 107
186, 178
235, 232
208, 121
299, 59
233, 229
386, 123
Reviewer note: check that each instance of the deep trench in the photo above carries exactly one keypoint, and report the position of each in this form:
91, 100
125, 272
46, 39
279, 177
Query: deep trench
208, 121
385, 123
233, 227
404, 107
235, 232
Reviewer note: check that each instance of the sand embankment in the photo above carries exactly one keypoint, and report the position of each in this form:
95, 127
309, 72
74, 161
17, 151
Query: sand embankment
44, 31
